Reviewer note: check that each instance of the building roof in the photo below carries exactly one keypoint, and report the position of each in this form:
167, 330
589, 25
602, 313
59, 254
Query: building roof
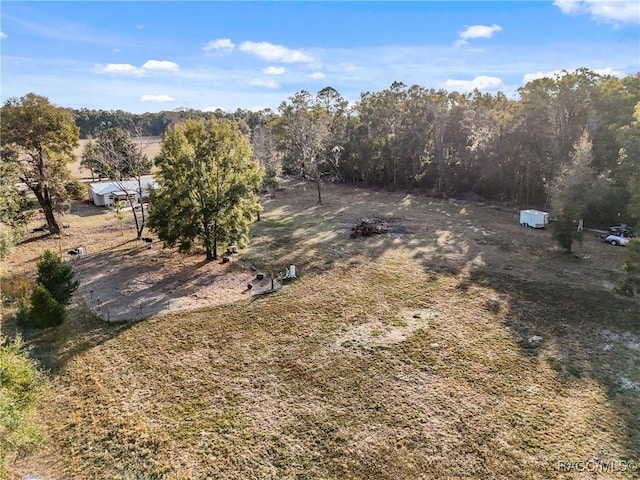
104, 188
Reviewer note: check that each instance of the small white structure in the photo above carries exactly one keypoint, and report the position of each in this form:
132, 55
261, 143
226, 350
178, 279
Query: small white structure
105, 194
533, 218
290, 273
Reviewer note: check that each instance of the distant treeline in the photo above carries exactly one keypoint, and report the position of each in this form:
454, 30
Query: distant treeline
91, 122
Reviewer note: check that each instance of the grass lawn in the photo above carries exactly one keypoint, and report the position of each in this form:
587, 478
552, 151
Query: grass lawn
458, 345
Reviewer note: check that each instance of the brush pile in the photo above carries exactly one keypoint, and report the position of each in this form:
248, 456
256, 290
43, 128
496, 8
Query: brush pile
369, 226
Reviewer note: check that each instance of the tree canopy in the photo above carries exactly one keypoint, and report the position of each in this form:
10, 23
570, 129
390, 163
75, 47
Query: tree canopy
312, 133
207, 186
39, 140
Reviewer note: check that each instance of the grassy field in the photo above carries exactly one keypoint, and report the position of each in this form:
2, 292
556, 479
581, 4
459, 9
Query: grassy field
150, 146
459, 345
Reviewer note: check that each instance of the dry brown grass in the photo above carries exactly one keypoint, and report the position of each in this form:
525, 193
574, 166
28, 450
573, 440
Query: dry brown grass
403, 356
150, 146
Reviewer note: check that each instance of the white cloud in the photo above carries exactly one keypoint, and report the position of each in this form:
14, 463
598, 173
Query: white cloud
477, 31
608, 71
224, 44
264, 83
128, 69
120, 69
116, 50
274, 70
608, 11
317, 75
345, 67
157, 98
3, 35
567, 6
275, 53
140, 27
481, 82
213, 109
529, 77
164, 65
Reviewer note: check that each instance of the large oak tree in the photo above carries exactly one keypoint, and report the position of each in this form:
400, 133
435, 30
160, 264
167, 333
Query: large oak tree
207, 186
39, 139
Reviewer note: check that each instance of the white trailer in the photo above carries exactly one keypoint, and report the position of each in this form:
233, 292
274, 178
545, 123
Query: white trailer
533, 218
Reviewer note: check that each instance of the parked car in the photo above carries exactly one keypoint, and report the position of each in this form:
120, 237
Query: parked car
616, 240
623, 231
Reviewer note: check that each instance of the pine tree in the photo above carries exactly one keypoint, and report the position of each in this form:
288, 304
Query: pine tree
57, 276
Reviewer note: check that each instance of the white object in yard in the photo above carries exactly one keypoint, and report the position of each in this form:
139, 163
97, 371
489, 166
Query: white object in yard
533, 218
292, 271
617, 240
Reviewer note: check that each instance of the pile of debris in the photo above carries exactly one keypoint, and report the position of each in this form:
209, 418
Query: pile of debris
369, 226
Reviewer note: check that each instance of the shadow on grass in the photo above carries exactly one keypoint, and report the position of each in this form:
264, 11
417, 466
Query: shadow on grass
86, 209
54, 347
36, 238
296, 230
106, 276
595, 334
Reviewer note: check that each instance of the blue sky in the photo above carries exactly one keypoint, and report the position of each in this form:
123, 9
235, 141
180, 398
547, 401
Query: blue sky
152, 56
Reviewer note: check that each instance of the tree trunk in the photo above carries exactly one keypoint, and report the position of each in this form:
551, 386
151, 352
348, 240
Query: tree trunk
318, 186
45, 202
440, 157
215, 243
51, 219
142, 217
135, 218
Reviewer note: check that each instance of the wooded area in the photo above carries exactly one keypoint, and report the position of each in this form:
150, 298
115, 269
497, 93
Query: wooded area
446, 143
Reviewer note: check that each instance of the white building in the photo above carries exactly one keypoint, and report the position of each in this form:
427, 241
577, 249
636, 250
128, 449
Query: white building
105, 194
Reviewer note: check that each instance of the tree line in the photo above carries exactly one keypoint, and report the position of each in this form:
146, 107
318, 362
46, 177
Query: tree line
91, 122
443, 143
570, 143
452, 144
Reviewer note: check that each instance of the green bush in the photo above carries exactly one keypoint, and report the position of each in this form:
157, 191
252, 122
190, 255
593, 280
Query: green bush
629, 284
271, 183
76, 189
57, 276
20, 384
22, 312
45, 311
565, 232
9, 237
